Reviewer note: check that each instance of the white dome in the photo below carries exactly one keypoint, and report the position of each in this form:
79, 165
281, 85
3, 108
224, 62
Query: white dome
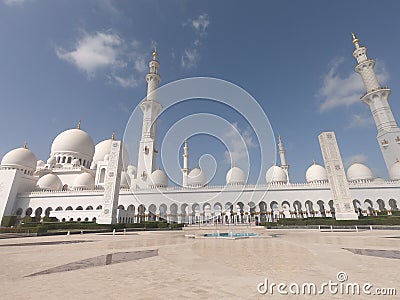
158, 178
84, 181
316, 173
20, 157
49, 182
52, 160
235, 176
40, 163
125, 179
75, 162
394, 171
131, 171
196, 177
93, 166
359, 172
104, 147
74, 140
379, 180
276, 174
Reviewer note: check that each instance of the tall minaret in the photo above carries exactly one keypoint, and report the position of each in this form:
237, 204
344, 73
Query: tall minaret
282, 155
185, 170
376, 97
151, 108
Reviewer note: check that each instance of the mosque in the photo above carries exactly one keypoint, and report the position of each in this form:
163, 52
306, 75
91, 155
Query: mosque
81, 181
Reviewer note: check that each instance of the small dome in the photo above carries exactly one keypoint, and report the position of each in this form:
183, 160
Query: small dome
93, 166
359, 172
84, 181
131, 171
75, 141
40, 164
106, 157
276, 174
49, 182
158, 179
316, 173
20, 157
52, 160
196, 177
379, 180
75, 162
125, 179
394, 171
235, 176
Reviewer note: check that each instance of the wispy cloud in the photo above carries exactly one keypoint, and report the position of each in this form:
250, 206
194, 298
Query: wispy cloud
14, 2
239, 141
120, 61
359, 121
339, 90
191, 54
360, 157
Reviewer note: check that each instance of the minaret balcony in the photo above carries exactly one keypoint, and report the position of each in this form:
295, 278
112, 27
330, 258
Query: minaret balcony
384, 88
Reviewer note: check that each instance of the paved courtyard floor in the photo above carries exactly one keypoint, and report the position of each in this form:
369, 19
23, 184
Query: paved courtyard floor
103, 266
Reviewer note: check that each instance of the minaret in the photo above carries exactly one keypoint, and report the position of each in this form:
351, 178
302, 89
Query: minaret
282, 155
151, 108
376, 97
185, 170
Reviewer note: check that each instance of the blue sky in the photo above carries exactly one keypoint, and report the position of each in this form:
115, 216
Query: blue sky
65, 61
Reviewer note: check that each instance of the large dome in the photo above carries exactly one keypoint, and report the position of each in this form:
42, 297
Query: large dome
49, 182
359, 172
84, 181
75, 141
276, 174
316, 173
20, 158
394, 171
196, 177
158, 179
235, 176
103, 148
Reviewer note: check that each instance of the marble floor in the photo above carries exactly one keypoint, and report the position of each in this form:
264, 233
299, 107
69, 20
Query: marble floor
168, 265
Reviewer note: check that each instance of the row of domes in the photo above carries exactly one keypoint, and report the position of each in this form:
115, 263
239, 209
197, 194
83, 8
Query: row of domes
51, 182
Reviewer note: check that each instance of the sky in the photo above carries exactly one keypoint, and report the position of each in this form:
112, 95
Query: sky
65, 61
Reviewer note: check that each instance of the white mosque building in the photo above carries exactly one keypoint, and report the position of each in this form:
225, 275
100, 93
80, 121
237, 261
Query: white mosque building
78, 182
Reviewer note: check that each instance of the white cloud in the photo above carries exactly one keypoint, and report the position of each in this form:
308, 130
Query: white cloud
239, 142
93, 52
190, 58
201, 23
358, 121
343, 91
360, 157
121, 62
14, 2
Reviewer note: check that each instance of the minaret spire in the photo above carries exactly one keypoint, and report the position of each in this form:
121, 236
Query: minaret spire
376, 97
185, 170
151, 109
282, 156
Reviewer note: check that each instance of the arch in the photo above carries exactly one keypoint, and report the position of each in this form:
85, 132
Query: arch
332, 207
131, 207
86, 219
102, 175
89, 207
322, 209
393, 204
78, 220
152, 212
63, 220
297, 206
19, 211
29, 211
163, 211
47, 211
369, 206
94, 220
69, 208
79, 208
100, 207
59, 208
174, 212
381, 205
121, 207
69, 160
38, 213
65, 187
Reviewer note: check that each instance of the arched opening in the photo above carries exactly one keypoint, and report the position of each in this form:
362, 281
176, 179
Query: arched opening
332, 208
152, 212
381, 205
357, 207
59, 208
94, 220
69, 160
99, 207
102, 175
393, 204
79, 208
89, 207
69, 208
121, 207
174, 212
163, 211
19, 212
38, 213
322, 209
47, 211
28, 212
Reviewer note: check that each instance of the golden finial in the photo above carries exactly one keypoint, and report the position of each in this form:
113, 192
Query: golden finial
355, 39
79, 124
155, 54
314, 162
25, 145
113, 135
